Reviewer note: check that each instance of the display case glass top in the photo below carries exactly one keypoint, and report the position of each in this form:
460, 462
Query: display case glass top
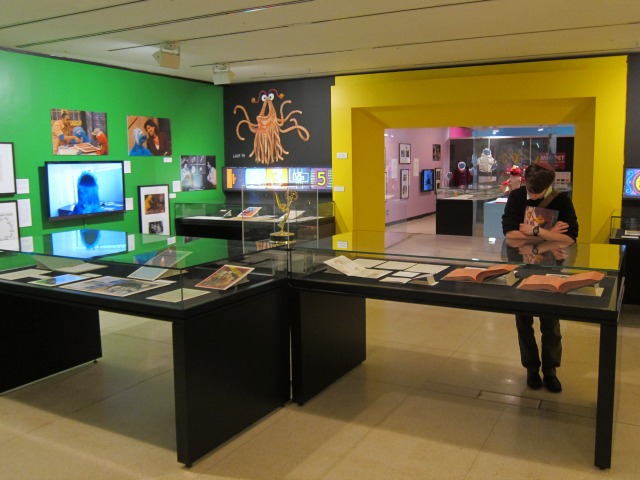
148, 272
413, 267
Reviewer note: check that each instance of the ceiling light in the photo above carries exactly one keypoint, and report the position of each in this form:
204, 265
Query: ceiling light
168, 56
222, 74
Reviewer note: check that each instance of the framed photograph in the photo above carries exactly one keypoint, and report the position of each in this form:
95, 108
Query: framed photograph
198, 172
404, 183
78, 132
405, 153
438, 174
7, 169
149, 136
154, 209
436, 152
9, 232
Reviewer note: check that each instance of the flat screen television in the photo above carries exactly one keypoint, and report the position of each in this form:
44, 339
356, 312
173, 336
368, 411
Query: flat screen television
631, 187
426, 180
84, 189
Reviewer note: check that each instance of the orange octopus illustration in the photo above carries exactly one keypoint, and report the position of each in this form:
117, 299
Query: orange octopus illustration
267, 144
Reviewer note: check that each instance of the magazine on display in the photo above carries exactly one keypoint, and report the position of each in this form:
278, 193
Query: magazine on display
115, 286
225, 277
560, 283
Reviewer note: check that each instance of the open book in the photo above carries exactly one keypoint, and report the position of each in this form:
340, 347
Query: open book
478, 275
560, 284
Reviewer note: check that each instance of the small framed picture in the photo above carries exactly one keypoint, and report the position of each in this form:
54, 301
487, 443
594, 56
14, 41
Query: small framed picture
404, 183
438, 172
9, 230
7, 169
154, 209
405, 153
436, 152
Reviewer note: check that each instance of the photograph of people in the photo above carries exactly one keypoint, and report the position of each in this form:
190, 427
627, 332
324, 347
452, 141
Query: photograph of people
69, 131
158, 142
156, 133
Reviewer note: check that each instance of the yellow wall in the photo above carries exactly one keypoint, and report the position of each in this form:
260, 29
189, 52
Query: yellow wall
588, 93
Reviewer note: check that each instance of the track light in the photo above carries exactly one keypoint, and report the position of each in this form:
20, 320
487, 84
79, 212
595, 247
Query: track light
222, 74
168, 56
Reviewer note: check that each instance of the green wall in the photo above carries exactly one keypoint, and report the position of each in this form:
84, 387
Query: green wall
30, 86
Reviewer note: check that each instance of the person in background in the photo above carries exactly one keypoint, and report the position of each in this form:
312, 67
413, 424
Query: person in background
158, 142
539, 192
62, 132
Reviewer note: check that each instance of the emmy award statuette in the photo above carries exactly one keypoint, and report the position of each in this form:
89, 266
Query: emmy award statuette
281, 237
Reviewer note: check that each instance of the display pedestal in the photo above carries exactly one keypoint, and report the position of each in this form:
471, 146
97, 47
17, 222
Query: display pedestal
40, 338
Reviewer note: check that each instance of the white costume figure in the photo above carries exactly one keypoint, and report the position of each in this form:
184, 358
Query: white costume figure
486, 161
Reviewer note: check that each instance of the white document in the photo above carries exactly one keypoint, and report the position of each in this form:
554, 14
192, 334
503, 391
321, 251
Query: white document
178, 295
368, 262
427, 268
394, 265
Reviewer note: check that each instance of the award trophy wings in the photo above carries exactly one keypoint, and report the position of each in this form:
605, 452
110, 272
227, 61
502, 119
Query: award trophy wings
281, 237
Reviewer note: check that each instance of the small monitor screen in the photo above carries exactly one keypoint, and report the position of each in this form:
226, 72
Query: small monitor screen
255, 178
300, 177
426, 184
83, 189
233, 178
631, 183
321, 178
277, 178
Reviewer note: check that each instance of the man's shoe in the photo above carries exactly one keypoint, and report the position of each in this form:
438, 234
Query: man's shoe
534, 381
552, 383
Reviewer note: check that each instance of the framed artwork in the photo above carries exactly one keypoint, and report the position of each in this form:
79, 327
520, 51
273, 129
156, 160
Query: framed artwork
7, 169
78, 132
405, 153
9, 231
436, 152
149, 136
198, 172
154, 209
438, 173
404, 183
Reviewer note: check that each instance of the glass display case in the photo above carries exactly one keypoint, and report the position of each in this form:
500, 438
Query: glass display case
415, 266
625, 230
150, 273
267, 218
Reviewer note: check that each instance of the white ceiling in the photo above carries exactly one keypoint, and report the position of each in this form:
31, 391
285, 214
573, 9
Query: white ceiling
311, 38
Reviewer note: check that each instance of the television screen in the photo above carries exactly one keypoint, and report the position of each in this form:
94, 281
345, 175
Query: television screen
84, 189
426, 180
631, 183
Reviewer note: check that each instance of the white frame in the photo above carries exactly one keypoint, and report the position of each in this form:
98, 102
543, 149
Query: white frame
405, 153
7, 169
404, 183
9, 226
152, 218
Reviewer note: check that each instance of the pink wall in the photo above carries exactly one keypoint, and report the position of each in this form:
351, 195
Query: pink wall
421, 141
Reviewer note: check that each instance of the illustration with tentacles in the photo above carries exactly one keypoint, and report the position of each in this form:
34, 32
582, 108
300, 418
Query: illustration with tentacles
267, 144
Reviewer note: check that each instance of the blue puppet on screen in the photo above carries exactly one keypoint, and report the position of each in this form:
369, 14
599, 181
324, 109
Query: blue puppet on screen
88, 198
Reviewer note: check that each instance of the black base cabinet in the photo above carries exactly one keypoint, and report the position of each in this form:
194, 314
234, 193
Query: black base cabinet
231, 368
40, 338
328, 338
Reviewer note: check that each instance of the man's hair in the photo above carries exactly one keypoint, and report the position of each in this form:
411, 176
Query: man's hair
538, 178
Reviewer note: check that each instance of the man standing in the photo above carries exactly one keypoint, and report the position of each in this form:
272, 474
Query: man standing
539, 193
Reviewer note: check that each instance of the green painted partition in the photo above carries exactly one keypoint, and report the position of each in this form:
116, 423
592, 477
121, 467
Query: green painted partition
31, 85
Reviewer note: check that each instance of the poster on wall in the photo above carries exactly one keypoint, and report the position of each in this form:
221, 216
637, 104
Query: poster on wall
154, 209
404, 183
278, 124
436, 152
9, 231
438, 175
405, 153
78, 132
198, 172
149, 136
7, 169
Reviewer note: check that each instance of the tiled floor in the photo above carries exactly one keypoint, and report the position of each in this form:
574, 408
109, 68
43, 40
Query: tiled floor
440, 396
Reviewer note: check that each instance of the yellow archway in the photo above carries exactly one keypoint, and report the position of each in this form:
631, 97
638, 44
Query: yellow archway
588, 93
